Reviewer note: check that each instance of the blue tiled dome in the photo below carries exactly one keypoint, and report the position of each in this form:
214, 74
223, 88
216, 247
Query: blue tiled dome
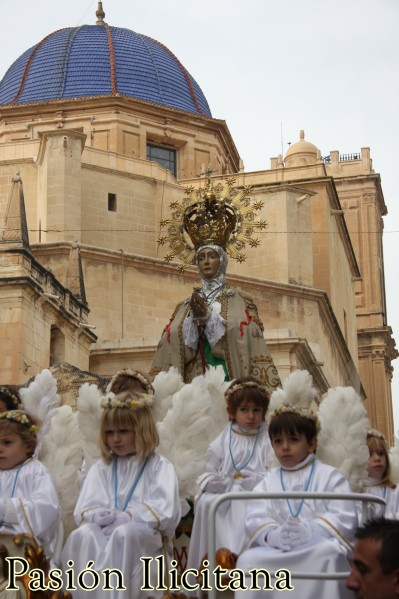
99, 60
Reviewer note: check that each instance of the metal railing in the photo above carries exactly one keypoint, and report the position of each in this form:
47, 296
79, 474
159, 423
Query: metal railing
363, 497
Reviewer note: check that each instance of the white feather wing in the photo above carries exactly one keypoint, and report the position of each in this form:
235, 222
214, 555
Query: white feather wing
342, 438
61, 452
394, 461
89, 418
297, 390
165, 384
196, 416
41, 396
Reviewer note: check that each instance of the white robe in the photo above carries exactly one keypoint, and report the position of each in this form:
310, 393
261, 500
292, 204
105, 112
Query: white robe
33, 506
230, 515
327, 552
391, 497
155, 510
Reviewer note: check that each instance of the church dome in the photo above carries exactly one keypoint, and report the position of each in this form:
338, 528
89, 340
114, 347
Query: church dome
301, 153
100, 60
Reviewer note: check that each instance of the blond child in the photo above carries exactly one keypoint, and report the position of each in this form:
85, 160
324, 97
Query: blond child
237, 462
379, 482
299, 535
129, 505
28, 497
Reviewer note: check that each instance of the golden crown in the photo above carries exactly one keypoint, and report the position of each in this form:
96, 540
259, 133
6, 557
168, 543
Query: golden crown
244, 385
126, 399
134, 374
377, 435
301, 411
21, 418
220, 215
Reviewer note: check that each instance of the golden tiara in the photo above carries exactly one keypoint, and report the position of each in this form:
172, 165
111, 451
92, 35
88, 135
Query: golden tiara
127, 399
220, 215
135, 374
6, 391
301, 411
246, 384
21, 418
377, 435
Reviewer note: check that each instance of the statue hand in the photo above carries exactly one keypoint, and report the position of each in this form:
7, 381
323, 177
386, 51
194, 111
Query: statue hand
198, 305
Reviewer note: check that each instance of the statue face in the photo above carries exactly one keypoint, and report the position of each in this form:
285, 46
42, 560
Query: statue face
208, 262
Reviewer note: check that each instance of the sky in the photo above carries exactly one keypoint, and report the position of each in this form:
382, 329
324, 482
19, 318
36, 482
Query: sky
269, 68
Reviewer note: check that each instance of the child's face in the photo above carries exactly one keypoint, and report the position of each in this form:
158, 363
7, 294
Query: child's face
291, 450
121, 441
13, 451
248, 415
377, 463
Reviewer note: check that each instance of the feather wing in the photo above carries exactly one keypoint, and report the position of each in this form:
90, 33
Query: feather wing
165, 384
297, 390
89, 417
196, 416
342, 438
41, 396
61, 453
41, 399
394, 461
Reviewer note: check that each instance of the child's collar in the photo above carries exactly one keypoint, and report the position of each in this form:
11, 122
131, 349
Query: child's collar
311, 457
246, 432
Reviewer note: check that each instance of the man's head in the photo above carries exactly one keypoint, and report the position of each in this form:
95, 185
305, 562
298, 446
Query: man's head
375, 569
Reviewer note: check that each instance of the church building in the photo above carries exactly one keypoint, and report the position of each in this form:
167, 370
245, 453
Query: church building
101, 130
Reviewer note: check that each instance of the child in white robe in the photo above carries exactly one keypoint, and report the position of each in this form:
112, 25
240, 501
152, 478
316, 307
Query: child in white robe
379, 482
307, 535
129, 504
237, 462
28, 497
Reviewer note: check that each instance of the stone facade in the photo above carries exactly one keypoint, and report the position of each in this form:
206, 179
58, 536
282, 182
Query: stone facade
317, 276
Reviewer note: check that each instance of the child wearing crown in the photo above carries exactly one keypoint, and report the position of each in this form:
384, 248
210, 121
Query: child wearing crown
379, 481
306, 535
237, 462
129, 506
28, 497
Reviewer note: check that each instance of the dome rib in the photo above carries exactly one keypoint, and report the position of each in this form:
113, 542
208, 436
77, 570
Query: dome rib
148, 48
184, 73
28, 64
68, 46
99, 60
111, 58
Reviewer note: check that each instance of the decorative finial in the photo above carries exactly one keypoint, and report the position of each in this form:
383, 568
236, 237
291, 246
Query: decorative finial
301, 133
100, 14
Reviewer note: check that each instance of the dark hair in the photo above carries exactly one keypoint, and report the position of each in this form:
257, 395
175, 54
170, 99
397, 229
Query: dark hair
292, 423
10, 396
256, 394
129, 380
386, 531
27, 431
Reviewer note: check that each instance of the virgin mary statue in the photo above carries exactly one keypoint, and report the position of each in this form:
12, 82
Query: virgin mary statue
218, 324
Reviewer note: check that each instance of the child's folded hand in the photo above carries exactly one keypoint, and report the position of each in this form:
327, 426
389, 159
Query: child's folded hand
120, 518
299, 533
279, 537
218, 484
249, 479
104, 517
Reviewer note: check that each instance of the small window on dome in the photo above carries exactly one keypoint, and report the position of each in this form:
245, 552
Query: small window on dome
112, 202
166, 157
